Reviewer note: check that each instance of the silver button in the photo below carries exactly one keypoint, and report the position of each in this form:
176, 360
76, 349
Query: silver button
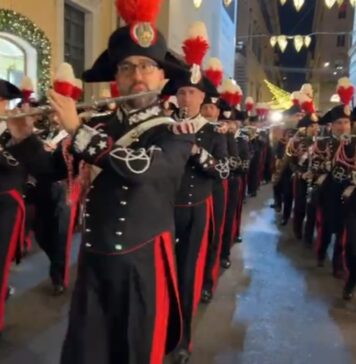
118, 247
211, 162
189, 203
88, 245
191, 186
88, 230
125, 188
193, 167
87, 200
190, 195
119, 233
122, 219
87, 215
205, 165
192, 177
91, 187
199, 139
123, 203
177, 240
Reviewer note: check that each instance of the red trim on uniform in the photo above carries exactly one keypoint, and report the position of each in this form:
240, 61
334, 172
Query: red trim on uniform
162, 304
28, 241
344, 239
216, 266
74, 200
106, 151
319, 229
200, 263
17, 234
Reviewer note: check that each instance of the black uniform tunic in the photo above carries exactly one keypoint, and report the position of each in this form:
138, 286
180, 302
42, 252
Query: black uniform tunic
126, 281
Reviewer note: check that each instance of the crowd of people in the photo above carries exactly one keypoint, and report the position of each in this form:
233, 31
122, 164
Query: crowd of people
155, 184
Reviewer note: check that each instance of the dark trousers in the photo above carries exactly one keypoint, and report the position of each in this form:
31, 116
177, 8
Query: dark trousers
192, 225
215, 235
11, 235
253, 179
325, 234
300, 202
310, 222
230, 217
287, 195
122, 307
350, 241
51, 228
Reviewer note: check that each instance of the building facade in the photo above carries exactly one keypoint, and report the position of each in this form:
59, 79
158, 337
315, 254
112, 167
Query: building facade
329, 59
255, 59
77, 31
219, 17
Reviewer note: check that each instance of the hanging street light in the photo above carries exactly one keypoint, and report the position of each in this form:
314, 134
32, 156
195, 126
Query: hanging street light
298, 4
298, 43
307, 40
273, 41
282, 42
330, 3
283, 2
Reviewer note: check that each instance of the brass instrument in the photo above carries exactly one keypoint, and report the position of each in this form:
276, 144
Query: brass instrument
47, 109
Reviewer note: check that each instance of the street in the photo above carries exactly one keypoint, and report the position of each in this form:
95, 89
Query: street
273, 306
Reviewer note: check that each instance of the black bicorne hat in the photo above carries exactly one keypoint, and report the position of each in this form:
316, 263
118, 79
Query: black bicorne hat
295, 109
138, 38
253, 119
8, 91
339, 112
306, 121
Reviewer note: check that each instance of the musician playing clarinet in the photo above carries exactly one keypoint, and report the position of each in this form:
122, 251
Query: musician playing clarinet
125, 306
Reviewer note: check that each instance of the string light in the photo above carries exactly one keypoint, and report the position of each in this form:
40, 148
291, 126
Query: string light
281, 98
298, 4
298, 40
330, 3
21, 26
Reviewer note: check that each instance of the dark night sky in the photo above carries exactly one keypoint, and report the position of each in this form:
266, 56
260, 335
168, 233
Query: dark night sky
294, 23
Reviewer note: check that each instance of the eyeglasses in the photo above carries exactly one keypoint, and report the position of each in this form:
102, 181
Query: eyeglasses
145, 68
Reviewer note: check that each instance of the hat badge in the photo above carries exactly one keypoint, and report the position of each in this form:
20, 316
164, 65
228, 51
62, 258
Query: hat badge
196, 75
143, 34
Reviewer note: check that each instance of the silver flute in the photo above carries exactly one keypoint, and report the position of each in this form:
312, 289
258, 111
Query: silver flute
47, 109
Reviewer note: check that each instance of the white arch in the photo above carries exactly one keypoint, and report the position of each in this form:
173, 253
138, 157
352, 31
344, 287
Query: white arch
31, 56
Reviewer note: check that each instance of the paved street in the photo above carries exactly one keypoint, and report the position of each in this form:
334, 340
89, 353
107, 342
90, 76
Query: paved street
272, 307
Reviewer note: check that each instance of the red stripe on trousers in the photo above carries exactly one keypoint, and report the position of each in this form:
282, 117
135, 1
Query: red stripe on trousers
17, 235
319, 229
200, 264
74, 200
216, 267
163, 251
343, 244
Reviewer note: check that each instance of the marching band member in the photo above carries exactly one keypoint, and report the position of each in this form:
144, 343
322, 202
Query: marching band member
125, 306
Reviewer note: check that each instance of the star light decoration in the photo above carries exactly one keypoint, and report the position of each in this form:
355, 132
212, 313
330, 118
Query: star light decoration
14, 23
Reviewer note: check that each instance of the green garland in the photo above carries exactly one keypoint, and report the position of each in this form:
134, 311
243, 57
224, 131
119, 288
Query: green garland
21, 26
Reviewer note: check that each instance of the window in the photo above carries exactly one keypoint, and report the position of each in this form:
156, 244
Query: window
74, 38
342, 11
12, 61
340, 40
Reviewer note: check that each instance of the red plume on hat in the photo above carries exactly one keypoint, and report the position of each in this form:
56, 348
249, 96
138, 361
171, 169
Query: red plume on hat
262, 110
114, 90
214, 71
250, 103
306, 103
295, 96
231, 92
138, 11
195, 48
26, 88
345, 90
